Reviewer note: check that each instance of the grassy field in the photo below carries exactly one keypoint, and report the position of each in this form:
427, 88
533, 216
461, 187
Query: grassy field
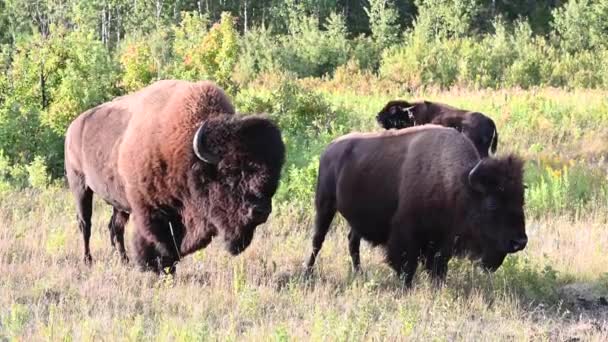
556, 289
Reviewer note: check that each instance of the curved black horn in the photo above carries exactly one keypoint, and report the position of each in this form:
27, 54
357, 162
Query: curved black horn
475, 184
201, 150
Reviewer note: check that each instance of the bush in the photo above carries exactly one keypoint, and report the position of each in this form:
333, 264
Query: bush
310, 51
138, 69
37, 174
444, 19
259, 53
567, 188
582, 24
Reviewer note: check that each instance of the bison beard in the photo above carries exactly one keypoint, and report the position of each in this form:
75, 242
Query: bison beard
422, 193
176, 159
480, 129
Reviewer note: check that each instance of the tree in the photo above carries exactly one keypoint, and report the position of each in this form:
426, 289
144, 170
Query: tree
582, 24
383, 23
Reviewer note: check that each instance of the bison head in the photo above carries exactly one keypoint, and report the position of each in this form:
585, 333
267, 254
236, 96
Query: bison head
238, 167
481, 130
396, 114
499, 221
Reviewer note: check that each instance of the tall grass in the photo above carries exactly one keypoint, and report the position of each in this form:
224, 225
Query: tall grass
49, 294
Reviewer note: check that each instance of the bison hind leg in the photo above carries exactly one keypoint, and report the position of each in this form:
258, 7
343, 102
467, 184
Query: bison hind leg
84, 210
117, 224
326, 210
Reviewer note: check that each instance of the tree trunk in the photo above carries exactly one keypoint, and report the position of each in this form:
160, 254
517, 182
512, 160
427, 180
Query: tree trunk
245, 24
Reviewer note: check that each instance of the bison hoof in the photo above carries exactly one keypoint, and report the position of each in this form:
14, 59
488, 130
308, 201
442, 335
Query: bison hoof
88, 260
308, 270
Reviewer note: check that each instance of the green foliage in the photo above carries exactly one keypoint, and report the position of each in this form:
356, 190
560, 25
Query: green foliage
259, 53
219, 52
84, 77
582, 24
569, 188
138, 68
186, 45
14, 322
446, 18
38, 176
310, 51
529, 280
383, 22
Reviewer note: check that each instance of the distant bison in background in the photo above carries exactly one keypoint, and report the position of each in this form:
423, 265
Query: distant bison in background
175, 158
421, 193
480, 129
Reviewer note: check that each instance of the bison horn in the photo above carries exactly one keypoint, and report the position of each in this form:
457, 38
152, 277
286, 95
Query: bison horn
200, 148
410, 113
475, 184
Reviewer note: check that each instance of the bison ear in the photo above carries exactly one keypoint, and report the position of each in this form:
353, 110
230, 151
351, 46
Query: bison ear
201, 148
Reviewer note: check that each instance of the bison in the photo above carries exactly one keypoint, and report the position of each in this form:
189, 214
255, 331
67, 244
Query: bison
175, 158
476, 126
421, 193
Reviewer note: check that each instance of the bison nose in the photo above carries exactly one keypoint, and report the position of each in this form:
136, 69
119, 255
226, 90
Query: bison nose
518, 244
260, 214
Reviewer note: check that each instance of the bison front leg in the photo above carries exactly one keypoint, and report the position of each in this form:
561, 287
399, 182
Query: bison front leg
148, 257
153, 250
117, 224
354, 244
436, 262
402, 255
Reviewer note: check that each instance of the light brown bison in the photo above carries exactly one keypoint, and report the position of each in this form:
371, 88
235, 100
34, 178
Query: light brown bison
479, 128
421, 193
175, 158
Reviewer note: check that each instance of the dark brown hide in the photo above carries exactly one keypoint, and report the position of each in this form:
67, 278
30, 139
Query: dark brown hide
137, 153
480, 129
413, 192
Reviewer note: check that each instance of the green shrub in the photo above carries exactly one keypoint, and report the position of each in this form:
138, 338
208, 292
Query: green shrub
383, 22
563, 189
582, 24
259, 52
310, 51
446, 18
38, 176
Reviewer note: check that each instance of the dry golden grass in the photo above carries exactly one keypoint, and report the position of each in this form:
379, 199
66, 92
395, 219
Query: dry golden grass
551, 291
49, 294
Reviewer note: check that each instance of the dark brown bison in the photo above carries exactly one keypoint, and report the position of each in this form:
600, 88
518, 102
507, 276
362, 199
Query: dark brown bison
175, 158
421, 193
476, 126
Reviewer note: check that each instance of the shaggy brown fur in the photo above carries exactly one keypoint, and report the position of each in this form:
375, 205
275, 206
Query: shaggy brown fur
480, 129
414, 193
136, 153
